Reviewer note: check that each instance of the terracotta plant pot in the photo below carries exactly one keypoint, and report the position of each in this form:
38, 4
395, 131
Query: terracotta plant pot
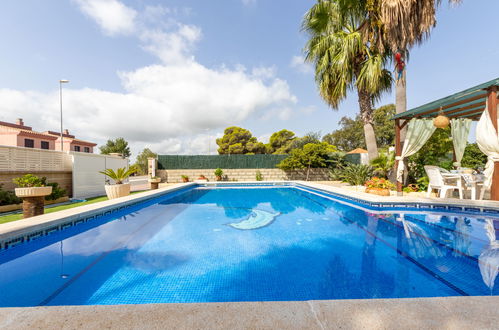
117, 190
185, 180
378, 191
33, 191
219, 178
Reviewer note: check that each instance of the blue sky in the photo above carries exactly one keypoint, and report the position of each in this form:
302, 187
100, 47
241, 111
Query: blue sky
172, 74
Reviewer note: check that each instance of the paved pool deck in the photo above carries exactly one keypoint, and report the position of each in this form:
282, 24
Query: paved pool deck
418, 313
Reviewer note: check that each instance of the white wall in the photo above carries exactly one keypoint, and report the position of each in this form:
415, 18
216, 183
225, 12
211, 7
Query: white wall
87, 181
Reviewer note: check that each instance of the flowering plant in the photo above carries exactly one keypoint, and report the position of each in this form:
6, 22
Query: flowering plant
379, 183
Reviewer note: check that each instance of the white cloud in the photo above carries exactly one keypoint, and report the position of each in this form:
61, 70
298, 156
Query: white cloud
112, 16
168, 106
298, 63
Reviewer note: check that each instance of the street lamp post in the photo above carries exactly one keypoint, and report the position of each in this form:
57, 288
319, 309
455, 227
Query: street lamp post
62, 81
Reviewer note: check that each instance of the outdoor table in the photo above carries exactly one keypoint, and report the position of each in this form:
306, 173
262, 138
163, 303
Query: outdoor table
470, 180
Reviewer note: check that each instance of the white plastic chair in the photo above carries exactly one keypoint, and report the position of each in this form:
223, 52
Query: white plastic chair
440, 181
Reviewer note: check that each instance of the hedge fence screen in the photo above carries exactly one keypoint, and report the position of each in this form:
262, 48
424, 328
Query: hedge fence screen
171, 162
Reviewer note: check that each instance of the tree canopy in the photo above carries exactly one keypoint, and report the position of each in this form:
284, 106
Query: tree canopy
119, 145
350, 135
311, 155
280, 142
142, 160
237, 140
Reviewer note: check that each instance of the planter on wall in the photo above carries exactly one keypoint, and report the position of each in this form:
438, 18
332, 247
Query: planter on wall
117, 190
33, 200
154, 183
33, 192
378, 191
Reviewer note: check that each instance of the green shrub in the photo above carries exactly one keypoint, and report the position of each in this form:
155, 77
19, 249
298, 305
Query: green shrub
473, 157
259, 176
8, 197
29, 180
423, 183
219, 172
354, 174
57, 192
383, 164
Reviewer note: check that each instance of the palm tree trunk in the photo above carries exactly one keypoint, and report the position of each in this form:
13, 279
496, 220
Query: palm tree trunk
401, 100
366, 112
401, 106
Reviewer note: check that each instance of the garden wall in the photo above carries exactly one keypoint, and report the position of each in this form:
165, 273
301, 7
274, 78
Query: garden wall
63, 178
269, 174
178, 162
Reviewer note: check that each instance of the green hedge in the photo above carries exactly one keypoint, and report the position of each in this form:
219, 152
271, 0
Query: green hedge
170, 162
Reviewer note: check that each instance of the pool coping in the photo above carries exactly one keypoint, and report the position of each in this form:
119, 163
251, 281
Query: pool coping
404, 313
20, 231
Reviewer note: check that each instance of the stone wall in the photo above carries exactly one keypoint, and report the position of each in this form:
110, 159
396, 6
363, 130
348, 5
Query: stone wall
63, 178
316, 174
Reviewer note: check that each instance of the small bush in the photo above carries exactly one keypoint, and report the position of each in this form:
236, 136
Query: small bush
353, 174
218, 172
258, 176
57, 192
8, 197
423, 183
29, 180
379, 183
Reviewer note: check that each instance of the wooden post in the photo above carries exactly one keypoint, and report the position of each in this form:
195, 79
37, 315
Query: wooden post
398, 152
492, 108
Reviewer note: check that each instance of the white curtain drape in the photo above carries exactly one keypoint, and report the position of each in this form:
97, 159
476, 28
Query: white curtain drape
460, 129
488, 142
418, 132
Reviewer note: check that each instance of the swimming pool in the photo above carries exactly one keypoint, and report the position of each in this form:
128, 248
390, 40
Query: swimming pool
253, 243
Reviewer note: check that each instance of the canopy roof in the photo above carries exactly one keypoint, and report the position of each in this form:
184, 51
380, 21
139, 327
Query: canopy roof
469, 103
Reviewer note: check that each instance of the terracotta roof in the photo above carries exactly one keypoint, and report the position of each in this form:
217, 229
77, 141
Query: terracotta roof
90, 144
59, 134
358, 151
38, 134
4, 123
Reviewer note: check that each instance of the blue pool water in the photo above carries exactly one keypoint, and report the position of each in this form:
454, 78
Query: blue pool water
252, 244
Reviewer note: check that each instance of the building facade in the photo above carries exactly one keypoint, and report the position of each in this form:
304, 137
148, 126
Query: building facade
19, 135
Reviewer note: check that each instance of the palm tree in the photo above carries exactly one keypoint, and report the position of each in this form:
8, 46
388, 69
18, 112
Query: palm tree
343, 48
405, 24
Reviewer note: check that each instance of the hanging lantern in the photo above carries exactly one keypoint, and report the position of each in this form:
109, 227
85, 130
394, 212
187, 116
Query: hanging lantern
441, 121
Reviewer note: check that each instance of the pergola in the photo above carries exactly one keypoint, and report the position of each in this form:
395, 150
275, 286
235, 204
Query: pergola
469, 103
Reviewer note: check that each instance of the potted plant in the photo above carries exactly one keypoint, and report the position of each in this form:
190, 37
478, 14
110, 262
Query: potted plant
218, 174
118, 189
379, 186
202, 178
185, 178
154, 182
32, 190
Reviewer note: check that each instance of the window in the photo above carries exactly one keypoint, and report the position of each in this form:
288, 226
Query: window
86, 149
77, 148
44, 145
28, 143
